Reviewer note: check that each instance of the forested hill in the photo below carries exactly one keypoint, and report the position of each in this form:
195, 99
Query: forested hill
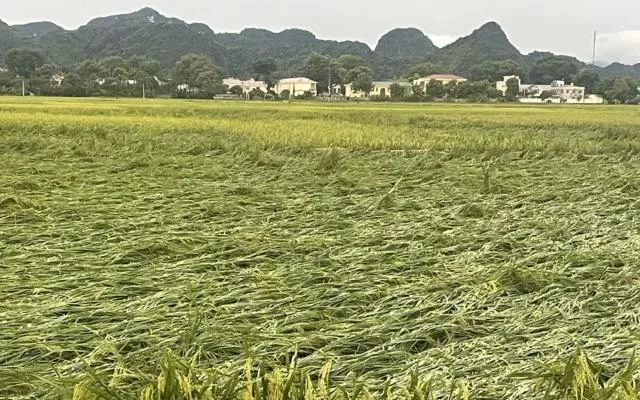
485, 53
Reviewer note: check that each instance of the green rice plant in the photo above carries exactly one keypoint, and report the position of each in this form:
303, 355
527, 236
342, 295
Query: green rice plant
194, 249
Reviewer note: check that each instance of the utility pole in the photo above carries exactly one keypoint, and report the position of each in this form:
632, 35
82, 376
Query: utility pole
144, 94
330, 86
23, 90
595, 40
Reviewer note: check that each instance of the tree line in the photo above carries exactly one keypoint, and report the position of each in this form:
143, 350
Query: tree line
197, 76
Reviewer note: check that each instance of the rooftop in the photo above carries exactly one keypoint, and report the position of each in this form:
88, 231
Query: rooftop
389, 83
451, 77
297, 80
235, 81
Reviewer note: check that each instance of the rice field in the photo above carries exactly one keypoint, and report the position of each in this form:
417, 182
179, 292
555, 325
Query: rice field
197, 250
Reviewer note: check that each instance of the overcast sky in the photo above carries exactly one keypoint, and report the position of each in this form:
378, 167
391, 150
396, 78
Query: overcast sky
561, 26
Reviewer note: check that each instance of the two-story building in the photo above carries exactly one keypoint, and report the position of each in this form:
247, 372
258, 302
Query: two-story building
558, 90
297, 86
247, 86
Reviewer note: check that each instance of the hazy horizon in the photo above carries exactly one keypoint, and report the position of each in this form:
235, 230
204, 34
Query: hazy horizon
564, 29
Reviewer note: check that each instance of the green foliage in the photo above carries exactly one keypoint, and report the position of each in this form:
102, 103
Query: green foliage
397, 91
409, 43
485, 54
35, 29
264, 67
621, 90
23, 62
549, 67
546, 94
202, 77
588, 78
362, 79
316, 67
435, 89
513, 89
8, 38
616, 70
285, 94
424, 69
349, 62
345, 69
257, 94
488, 43
201, 250
237, 90
479, 91
494, 71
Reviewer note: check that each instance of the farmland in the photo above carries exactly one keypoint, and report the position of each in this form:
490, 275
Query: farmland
473, 248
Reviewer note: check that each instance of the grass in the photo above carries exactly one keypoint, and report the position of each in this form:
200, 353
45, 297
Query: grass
192, 250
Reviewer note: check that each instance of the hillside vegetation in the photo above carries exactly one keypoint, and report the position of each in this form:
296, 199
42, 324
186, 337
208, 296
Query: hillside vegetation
148, 33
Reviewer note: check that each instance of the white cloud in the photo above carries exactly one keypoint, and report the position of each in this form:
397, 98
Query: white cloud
622, 46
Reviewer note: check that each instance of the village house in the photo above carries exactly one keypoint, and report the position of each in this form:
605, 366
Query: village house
247, 86
103, 81
443, 78
378, 88
56, 79
297, 86
559, 91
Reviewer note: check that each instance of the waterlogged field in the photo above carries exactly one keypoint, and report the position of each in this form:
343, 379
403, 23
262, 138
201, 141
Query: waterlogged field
194, 250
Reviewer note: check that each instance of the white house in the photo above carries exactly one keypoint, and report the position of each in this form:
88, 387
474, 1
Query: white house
559, 90
56, 79
444, 78
297, 86
130, 82
247, 86
184, 87
502, 85
378, 88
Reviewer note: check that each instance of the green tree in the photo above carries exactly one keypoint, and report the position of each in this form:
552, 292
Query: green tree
587, 77
46, 71
144, 66
265, 67
623, 89
23, 62
317, 67
397, 91
73, 86
513, 89
109, 67
349, 62
451, 90
548, 68
88, 69
237, 90
422, 70
198, 72
256, 94
362, 79
494, 71
546, 94
435, 89
417, 91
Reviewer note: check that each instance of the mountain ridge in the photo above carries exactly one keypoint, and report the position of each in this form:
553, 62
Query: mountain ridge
147, 32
